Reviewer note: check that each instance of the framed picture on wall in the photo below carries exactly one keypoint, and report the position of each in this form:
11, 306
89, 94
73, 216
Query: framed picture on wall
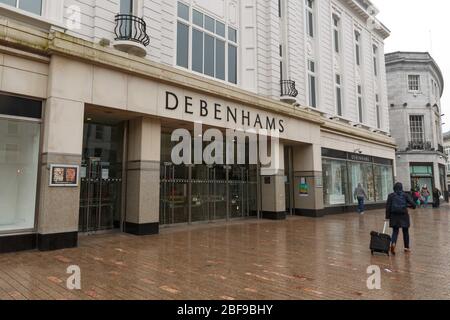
64, 175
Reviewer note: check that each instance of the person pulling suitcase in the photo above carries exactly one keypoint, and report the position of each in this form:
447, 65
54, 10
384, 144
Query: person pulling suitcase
398, 216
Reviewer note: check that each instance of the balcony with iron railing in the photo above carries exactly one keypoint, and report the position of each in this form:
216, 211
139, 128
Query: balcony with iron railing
420, 146
288, 91
131, 35
441, 149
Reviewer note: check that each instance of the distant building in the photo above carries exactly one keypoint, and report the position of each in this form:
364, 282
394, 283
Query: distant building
447, 153
415, 86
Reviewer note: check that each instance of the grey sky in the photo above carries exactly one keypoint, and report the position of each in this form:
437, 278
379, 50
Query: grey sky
418, 25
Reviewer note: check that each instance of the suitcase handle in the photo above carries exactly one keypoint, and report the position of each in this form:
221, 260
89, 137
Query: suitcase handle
385, 226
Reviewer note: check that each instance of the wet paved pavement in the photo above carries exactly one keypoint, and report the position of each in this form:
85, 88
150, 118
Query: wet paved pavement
301, 258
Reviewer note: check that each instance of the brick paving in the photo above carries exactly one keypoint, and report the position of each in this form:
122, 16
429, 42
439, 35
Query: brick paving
300, 258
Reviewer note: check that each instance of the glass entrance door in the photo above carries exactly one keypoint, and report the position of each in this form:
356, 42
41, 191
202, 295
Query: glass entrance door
101, 178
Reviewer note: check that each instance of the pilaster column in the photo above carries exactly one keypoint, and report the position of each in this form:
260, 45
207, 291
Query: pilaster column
308, 182
273, 188
59, 206
143, 177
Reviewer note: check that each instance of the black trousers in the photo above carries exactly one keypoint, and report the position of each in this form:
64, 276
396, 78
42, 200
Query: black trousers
405, 236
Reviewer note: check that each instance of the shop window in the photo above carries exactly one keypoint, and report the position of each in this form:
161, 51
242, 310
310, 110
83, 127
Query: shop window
18, 174
362, 173
334, 182
210, 49
384, 182
32, 6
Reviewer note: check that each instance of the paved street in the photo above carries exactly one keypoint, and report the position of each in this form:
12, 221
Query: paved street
300, 258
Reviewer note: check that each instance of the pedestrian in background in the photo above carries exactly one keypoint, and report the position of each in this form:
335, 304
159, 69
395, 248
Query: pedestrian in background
436, 198
425, 193
398, 216
360, 195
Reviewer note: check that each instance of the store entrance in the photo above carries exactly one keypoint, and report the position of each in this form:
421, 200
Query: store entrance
202, 193
101, 178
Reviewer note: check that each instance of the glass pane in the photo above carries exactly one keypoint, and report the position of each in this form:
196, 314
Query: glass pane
183, 11
312, 91
220, 29
232, 64
197, 18
334, 182
182, 45
232, 35
9, 2
209, 56
19, 152
197, 51
210, 24
362, 173
384, 182
33, 6
220, 59
126, 6
20, 107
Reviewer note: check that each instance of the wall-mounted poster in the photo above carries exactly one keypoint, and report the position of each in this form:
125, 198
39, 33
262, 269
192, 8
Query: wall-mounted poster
63, 176
303, 188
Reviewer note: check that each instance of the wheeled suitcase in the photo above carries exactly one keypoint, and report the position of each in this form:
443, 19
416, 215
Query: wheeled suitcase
380, 242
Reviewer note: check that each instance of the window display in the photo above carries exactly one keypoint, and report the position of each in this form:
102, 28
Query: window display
19, 151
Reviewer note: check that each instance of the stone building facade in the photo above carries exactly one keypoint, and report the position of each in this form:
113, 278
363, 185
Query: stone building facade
415, 86
92, 91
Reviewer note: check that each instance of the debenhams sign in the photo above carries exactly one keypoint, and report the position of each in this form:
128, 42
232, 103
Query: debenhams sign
234, 116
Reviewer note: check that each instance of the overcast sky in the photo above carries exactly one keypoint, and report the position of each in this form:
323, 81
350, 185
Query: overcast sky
419, 25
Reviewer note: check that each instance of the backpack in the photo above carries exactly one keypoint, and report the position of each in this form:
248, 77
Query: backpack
399, 204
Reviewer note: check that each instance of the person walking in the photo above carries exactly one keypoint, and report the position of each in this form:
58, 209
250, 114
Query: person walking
398, 216
425, 193
436, 198
360, 195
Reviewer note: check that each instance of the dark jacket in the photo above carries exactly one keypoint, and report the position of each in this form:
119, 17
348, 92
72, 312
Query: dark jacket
399, 219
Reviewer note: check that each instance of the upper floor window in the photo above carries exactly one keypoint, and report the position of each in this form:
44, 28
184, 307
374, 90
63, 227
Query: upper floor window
417, 129
312, 84
414, 83
360, 104
310, 17
378, 110
339, 94
206, 45
358, 48
126, 6
336, 33
33, 6
375, 60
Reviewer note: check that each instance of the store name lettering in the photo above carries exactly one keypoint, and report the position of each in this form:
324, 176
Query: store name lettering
203, 109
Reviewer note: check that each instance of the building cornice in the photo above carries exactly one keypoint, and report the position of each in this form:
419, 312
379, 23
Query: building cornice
369, 17
414, 59
58, 43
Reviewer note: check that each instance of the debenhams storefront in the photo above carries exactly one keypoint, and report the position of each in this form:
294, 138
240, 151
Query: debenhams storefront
85, 146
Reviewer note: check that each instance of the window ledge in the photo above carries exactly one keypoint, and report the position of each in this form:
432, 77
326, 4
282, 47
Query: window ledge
29, 18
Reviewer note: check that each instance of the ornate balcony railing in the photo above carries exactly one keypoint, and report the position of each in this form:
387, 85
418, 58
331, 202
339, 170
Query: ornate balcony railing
420, 146
131, 28
288, 89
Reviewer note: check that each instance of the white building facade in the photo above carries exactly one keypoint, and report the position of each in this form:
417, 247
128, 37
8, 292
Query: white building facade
416, 85
92, 90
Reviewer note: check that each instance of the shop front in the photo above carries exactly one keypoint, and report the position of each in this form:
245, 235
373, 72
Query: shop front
20, 138
343, 172
94, 151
